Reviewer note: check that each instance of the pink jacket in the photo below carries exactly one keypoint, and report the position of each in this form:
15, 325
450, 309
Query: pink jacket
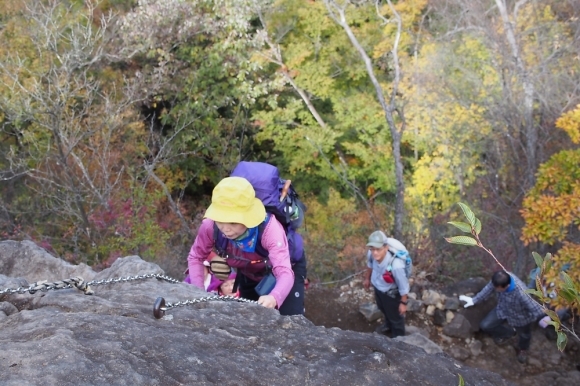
273, 240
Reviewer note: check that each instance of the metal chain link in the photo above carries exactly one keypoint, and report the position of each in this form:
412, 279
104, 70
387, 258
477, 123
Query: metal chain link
80, 284
226, 298
161, 306
131, 278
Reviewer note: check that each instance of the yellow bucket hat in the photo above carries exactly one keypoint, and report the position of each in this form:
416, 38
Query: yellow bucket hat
234, 201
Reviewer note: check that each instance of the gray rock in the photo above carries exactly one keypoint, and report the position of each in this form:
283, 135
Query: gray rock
431, 297
475, 314
452, 303
475, 347
430, 310
63, 337
414, 305
422, 341
449, 315
563, 378
469, 286
439, 317
8, 308
370, 311
416, 330
458, 328
26, 260
459, 353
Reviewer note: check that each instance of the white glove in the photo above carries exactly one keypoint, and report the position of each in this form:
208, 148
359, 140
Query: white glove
468, 301
544, 321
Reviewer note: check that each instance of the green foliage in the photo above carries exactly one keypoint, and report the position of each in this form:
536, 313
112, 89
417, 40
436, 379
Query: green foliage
201, 81
441, 123
473, 227
73, 135
209, 90
352, 141
567, 294
462, 240
327, 236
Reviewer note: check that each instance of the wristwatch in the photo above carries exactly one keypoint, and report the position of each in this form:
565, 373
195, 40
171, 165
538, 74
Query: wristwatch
402, 302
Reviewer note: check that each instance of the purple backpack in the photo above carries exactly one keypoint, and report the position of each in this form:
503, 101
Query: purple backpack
279, 198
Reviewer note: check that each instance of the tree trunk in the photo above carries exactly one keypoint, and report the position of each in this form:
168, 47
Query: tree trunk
338, 14
530, 130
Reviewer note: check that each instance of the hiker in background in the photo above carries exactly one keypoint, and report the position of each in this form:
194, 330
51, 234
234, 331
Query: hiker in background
237, 213
514, 305
226, 288
387, 275
223, 287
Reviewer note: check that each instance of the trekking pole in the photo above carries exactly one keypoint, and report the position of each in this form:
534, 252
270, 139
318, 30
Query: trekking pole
160, 306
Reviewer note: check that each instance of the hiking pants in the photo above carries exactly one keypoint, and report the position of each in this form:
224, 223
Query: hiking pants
294, 302
389, 306
496, 327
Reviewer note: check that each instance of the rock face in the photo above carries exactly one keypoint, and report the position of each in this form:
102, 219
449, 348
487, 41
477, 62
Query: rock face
64, 337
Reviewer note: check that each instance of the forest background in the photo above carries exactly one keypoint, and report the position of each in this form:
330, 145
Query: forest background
119, 116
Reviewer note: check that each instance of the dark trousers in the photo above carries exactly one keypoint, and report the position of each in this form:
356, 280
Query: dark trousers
496, 327
389, 306
294, 303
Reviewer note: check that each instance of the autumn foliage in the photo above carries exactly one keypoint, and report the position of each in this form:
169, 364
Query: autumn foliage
118, 117
552, 208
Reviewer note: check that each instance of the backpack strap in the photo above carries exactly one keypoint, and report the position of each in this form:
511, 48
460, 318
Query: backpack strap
236, 283
260, 250
220, 243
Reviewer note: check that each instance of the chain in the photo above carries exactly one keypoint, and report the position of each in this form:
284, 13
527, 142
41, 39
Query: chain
158, 309
209, 299
132, 278
161, 306
80, 284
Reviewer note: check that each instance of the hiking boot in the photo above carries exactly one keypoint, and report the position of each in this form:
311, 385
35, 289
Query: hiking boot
522, 356
503, 341
382, 329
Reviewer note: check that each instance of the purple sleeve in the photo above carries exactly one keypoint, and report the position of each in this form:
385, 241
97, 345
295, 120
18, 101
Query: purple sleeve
275, 242
200, 250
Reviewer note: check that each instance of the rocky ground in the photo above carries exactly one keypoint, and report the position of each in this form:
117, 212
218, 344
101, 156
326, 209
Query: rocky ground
110, 333
339, 307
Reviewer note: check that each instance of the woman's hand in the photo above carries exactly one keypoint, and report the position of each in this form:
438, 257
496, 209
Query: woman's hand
267, 301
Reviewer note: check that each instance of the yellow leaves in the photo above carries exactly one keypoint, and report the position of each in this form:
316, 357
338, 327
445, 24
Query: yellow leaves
371, 191
547, 218
570, 123
553, 205
410, 11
